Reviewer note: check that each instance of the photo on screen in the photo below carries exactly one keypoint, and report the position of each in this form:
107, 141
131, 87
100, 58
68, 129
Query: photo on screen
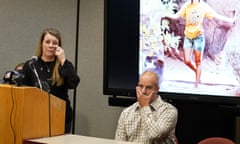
161, 47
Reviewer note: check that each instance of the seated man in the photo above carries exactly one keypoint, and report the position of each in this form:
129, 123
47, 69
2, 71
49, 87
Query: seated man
150, 120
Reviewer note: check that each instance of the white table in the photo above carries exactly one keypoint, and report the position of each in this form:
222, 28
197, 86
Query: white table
74, 139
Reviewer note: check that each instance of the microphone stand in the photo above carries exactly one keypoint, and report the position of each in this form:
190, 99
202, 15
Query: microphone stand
36, 74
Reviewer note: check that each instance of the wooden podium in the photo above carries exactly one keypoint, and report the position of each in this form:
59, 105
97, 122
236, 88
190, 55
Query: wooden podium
28, 112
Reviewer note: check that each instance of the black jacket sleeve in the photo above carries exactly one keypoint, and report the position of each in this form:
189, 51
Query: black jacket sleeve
67, 72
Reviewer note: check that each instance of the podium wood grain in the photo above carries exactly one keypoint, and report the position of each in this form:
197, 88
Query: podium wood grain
26, 112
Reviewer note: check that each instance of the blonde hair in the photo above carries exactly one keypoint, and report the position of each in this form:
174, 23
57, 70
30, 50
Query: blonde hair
56, 78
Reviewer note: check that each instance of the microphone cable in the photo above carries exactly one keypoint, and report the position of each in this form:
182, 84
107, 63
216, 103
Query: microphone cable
33, 68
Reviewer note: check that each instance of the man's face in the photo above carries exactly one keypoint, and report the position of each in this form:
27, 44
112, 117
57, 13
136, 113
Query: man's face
147, 84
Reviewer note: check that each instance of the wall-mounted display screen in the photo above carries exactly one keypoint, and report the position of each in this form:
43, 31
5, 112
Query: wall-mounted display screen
150, 34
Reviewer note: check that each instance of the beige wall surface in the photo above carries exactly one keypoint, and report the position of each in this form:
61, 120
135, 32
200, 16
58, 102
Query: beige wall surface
94, 116
21, 23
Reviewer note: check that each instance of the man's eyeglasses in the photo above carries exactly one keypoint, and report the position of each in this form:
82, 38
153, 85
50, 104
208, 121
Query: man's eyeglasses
148, 88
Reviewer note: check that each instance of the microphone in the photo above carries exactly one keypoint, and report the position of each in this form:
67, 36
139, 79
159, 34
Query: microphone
13, 77
33, 60
32, 66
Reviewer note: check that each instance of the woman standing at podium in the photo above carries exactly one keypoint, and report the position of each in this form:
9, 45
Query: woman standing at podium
51, 71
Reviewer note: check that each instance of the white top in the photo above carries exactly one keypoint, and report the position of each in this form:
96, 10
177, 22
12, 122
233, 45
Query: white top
76, 139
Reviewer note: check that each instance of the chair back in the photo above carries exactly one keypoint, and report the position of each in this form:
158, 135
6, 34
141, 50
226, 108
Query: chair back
216, 140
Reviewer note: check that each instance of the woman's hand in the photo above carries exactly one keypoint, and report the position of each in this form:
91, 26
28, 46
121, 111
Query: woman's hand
60, 55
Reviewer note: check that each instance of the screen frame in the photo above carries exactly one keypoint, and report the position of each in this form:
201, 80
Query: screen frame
128, 67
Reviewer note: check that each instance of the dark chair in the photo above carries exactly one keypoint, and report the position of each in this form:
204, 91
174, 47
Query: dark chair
216, 140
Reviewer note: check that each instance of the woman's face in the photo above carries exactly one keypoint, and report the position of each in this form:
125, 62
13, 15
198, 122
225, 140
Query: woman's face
49, 45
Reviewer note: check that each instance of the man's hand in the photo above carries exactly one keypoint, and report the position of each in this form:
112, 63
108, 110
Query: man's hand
145, 98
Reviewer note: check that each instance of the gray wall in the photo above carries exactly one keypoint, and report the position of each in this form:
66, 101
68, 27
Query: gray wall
21, 23
94, 116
